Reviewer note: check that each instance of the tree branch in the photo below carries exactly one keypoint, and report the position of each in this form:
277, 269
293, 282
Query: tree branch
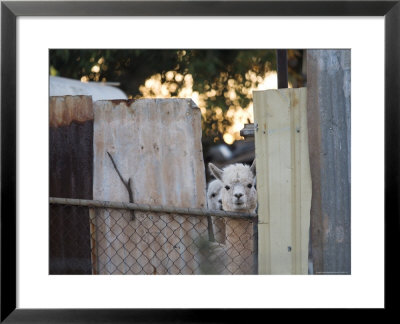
127, 185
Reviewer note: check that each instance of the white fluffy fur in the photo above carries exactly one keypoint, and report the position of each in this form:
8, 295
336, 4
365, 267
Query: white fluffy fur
238, 193
214, 201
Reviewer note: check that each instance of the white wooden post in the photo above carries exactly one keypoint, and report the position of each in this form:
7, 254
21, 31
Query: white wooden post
283, 180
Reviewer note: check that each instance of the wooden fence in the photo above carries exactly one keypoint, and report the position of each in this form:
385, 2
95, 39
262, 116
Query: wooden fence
283, 180
150, 152
325, 109
144, 152
329, 99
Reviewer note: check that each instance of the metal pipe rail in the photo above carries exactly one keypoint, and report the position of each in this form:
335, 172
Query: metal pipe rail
151, 208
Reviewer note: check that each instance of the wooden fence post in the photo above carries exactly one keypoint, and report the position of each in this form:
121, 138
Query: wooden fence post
328, 83
283, 180
71, 174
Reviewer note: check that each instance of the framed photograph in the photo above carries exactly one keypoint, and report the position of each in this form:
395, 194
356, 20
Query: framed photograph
43, 279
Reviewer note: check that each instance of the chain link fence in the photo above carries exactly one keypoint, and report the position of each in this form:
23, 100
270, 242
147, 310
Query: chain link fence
97, 237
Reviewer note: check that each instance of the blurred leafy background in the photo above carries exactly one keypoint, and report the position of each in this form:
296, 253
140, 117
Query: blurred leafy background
219, 81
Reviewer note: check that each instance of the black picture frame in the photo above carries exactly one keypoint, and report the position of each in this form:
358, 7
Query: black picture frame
10, 10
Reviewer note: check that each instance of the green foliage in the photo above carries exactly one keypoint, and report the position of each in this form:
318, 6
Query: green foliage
217, 70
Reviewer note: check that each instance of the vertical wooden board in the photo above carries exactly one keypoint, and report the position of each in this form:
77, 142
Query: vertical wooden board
283, 180
262, 162
70, 176
329, 111
264, 260
280, 181
67, 109
303, 182
156, 143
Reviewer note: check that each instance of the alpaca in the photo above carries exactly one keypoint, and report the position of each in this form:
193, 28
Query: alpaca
214, 201
238, 193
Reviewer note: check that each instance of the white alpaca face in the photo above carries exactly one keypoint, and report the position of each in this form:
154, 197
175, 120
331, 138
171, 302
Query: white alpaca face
214, 193
238, 192
239, 195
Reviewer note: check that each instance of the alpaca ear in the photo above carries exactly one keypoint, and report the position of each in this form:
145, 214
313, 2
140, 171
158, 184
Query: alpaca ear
215, 171
253, 167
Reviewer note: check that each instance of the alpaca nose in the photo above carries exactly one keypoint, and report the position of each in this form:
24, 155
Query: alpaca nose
220, 201
238, 195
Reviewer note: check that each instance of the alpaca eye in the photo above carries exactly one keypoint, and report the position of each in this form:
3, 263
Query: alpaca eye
227, 187
213, 195
249, 185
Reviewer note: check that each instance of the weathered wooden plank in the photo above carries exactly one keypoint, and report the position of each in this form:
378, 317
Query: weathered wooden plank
66, 109
283, 180
328, 82
156, 143
71, 174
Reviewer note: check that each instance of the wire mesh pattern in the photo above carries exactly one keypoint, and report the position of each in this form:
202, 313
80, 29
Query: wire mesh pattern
106, 240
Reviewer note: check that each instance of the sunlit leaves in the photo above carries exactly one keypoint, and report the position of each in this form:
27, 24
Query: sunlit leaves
220, 81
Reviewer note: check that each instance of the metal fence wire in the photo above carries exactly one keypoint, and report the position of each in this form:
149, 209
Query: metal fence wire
95, 237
